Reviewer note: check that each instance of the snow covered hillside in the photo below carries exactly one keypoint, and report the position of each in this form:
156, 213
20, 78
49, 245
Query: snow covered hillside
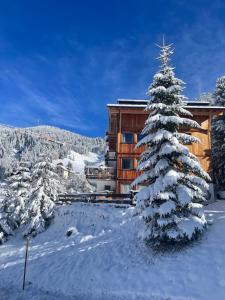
37, 164
103, 259
79, 161
28, 143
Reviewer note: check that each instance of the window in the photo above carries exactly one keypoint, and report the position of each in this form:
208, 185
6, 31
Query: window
128, 138
107, 188
140, 136
127, 163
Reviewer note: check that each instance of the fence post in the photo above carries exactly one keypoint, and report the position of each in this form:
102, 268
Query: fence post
25, 262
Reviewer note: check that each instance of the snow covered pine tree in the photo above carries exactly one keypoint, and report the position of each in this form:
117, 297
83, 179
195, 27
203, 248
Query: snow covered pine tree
174, 181
218, 135
219, 93
41, 203
12, 206
6, 227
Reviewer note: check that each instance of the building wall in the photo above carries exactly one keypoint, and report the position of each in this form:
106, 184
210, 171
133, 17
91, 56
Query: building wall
132, 120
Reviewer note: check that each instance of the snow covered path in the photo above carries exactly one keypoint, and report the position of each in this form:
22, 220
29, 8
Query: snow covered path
105, 260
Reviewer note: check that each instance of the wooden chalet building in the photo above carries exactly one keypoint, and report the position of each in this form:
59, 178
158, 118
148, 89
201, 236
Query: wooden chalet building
126, 121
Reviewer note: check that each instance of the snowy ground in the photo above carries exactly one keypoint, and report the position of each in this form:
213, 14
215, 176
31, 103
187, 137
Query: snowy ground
105, 260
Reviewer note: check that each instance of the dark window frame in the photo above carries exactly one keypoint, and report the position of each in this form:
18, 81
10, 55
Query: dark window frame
131, 163
107, 188
124, 141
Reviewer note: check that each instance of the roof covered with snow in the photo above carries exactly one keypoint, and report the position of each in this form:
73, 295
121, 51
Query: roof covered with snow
138, 103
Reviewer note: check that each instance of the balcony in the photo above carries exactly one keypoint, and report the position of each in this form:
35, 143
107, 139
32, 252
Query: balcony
106, 173
128, 174
130, 149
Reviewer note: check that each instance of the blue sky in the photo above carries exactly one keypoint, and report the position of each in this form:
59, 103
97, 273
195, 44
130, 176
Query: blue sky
61, 62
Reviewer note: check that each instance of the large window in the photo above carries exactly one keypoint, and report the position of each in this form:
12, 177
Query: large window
127, 163
128, 138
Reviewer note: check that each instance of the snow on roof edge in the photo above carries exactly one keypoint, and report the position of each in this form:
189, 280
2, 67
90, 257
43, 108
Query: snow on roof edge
143, 105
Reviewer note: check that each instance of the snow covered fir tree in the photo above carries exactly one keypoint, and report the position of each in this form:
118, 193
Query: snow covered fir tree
175, 183
20, 180
206, 97
218, 136
29, 200
6, 209
219, 93
40, 206
12, 205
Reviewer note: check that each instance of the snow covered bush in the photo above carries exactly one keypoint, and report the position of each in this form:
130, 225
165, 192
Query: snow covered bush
175, 183
71, 231
40, 205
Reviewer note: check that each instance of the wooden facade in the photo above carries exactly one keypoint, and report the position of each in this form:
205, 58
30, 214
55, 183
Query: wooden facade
128, 116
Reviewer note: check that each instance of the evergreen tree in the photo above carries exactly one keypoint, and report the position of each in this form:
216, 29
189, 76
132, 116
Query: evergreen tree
206, 97
20, 179
175, 182
78, 183
218, 150
40, 206
6, 227
219, 93
218, 136
12, 204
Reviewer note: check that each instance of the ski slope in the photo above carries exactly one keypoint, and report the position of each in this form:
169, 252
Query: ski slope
79, 161
104, 259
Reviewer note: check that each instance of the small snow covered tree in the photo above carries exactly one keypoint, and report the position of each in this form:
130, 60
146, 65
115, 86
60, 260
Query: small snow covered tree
175, 183
40, 206
219, 93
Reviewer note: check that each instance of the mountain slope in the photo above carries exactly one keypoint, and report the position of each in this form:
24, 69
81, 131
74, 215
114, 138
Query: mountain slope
55, 143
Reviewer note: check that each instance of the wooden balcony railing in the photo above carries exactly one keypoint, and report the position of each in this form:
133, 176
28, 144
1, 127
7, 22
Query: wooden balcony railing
127, 174
129, 148
100, 173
